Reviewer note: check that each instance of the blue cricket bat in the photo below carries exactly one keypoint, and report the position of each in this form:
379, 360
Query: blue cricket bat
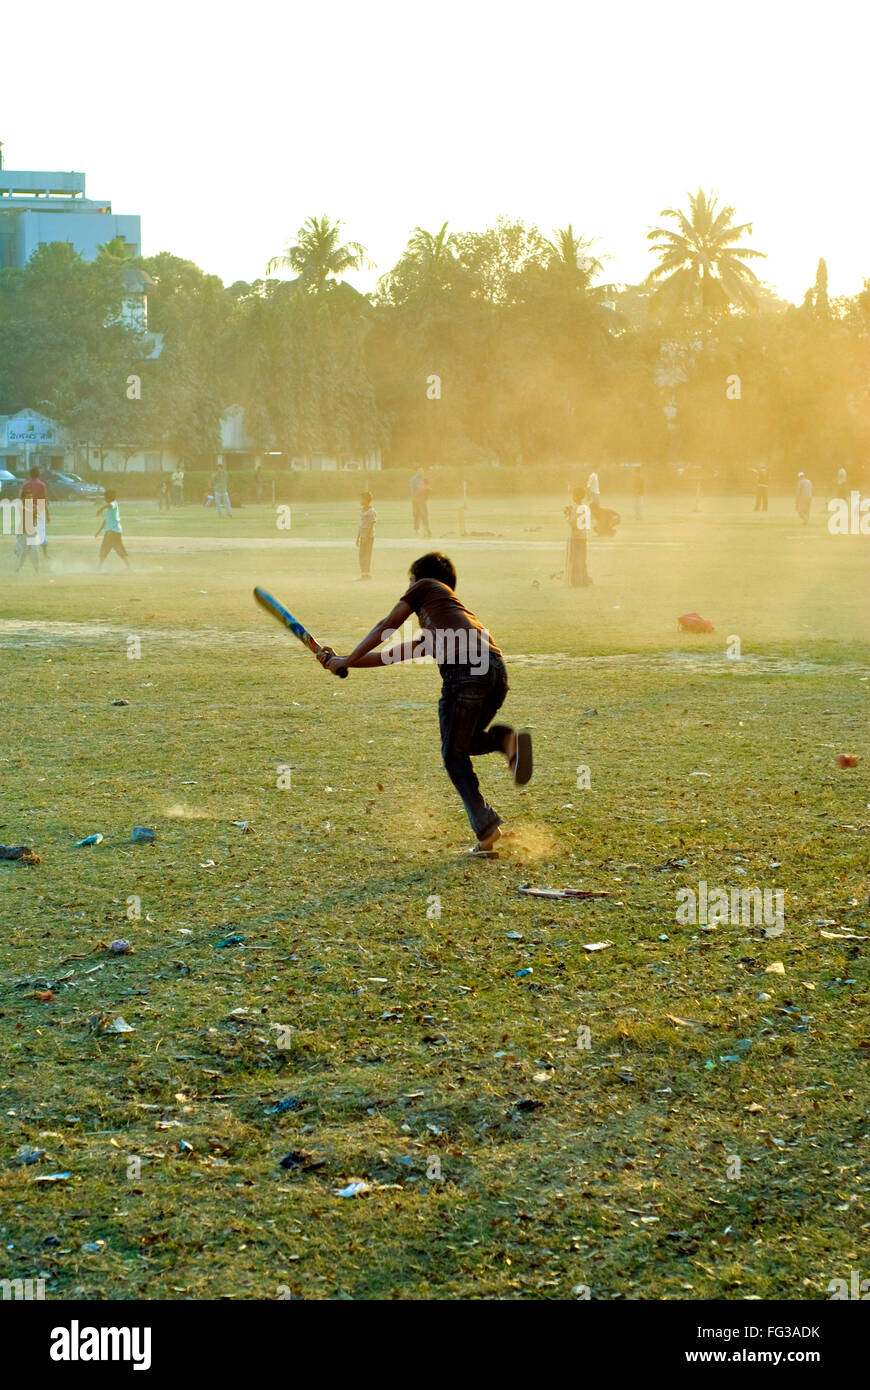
280, 612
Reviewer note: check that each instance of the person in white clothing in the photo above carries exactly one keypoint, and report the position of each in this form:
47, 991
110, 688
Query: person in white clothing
803, 497
222, 490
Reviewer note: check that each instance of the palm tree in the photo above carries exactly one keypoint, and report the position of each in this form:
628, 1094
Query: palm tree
700, 268
319, 254
114, 250
568, 254
432, 251
426, 262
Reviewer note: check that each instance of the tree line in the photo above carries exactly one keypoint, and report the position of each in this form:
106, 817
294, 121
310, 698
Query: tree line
502, 345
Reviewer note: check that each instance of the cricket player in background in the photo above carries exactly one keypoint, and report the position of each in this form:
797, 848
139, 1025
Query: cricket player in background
34, 517
365, 536
111, 523
803, 499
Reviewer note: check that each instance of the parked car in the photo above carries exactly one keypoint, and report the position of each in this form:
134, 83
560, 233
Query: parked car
69, 487
10, 486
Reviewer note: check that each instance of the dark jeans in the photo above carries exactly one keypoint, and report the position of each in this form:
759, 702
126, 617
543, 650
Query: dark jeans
467, 704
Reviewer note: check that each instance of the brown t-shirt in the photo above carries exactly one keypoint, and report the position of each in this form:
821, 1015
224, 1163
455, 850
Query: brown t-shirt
454, 636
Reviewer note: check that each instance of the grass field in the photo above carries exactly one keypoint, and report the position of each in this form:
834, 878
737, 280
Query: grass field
509, 1153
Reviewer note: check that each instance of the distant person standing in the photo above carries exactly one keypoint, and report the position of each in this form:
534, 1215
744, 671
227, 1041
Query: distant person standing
35, 516
178, 486
842, 484
420, 492
111, 524
164, 500
761, 488
593, 490
803, 497
604, 519
365, 536
639, 491
222, 489
258, 480
577, 516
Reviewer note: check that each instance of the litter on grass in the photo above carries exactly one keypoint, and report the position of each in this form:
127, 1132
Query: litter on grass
693, 622
27, 1154
301, 1159
100, 1023
142, 834
291, 1103
685, 1023
596, 945
89, 840
563, 892
355, 1188
20, 852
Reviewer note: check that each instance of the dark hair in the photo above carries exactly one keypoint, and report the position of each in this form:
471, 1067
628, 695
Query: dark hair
111, 496
435, 566
578, 493
34, 472
365, 497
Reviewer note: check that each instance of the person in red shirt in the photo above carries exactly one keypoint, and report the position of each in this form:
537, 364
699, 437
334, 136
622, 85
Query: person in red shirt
32, 538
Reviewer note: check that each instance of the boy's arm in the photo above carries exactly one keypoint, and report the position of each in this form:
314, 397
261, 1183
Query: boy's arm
405, 651
381, 632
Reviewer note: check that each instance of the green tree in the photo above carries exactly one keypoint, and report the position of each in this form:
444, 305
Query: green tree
568, 256
701, 270
318, 256
426, 269
816, 301
116, 249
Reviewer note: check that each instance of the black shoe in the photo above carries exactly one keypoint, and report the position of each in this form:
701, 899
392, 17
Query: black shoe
521, 762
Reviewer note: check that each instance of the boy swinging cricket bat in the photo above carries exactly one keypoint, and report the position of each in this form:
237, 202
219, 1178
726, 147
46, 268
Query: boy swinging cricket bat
474, 684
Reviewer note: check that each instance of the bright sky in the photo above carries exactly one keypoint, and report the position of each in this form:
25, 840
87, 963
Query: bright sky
225, 126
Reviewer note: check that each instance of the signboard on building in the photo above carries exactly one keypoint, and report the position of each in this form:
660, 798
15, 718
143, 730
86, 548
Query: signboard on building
30, 429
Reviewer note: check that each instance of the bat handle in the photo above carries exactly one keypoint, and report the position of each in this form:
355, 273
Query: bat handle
342, 675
